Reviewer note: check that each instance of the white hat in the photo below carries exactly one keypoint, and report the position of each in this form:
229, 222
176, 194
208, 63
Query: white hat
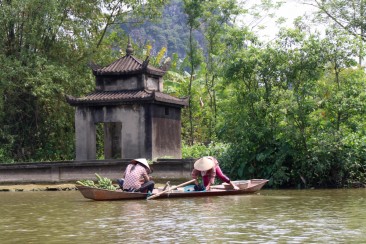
204, 164
142, 161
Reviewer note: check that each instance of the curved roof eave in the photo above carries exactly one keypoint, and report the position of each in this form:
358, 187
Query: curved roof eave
113, 98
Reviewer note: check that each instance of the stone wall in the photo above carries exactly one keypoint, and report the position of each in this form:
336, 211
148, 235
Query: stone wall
71, 171
132, 134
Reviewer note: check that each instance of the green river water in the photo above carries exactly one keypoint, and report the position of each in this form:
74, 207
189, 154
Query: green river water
273, 216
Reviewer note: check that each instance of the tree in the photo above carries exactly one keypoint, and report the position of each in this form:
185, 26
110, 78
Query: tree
334, 120
44, 52
272, 92
217, 18
347, 15
193, 8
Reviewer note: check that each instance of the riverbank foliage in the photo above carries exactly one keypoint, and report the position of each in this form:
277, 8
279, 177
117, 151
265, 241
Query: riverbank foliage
291, 109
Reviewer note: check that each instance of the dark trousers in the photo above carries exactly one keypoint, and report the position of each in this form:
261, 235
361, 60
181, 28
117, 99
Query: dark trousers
120, 183
147, 186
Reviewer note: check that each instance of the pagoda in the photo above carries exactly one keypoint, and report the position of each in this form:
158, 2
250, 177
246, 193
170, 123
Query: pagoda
138, 119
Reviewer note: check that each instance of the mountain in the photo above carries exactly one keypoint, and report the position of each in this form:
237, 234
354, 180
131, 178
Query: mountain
171, 31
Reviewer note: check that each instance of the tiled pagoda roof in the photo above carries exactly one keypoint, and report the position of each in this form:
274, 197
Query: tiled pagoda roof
128, 65
102, 98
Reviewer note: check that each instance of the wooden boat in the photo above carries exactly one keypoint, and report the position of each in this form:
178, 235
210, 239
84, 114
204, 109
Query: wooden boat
245, 187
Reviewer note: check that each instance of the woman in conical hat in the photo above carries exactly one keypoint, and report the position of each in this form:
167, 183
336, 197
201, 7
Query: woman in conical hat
136, 176
141, 161
208, 168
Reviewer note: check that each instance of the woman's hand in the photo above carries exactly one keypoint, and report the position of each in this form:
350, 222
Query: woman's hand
234, 186
196, 182
208, 187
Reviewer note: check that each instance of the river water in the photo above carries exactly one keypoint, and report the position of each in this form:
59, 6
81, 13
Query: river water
273, 216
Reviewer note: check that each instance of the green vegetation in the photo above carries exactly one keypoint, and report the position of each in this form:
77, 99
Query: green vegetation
102, 183
291, 110
45, 50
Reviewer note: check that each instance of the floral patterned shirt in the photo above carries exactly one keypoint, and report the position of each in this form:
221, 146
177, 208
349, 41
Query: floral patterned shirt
135, 175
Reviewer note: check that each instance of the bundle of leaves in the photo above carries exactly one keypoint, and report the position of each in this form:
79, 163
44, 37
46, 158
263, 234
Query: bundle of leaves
102, 183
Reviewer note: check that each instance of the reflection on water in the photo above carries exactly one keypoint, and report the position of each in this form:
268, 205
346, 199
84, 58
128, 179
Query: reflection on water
317, 216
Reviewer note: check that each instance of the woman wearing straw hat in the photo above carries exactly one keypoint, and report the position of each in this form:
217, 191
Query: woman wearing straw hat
208, 167
136, 177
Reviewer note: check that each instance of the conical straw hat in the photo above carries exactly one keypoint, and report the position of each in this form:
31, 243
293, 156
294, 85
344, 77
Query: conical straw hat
142, 161
204, 164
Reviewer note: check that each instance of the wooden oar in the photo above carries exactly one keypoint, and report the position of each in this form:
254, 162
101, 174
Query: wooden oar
172, 188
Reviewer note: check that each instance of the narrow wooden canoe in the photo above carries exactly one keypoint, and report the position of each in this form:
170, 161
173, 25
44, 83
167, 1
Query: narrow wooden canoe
246, 187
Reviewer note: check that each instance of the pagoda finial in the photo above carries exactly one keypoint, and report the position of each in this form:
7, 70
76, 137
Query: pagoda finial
129, 50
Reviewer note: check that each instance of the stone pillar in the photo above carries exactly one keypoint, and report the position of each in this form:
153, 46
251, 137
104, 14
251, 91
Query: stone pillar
85, 134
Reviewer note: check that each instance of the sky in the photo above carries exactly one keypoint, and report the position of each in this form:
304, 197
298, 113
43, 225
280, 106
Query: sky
291, 9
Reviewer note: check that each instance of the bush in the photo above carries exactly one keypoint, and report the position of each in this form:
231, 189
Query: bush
215, 149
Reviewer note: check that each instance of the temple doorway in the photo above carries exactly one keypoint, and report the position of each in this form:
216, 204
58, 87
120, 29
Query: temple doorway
108, 140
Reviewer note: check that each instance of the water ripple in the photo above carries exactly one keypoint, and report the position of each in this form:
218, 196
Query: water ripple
318, 216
